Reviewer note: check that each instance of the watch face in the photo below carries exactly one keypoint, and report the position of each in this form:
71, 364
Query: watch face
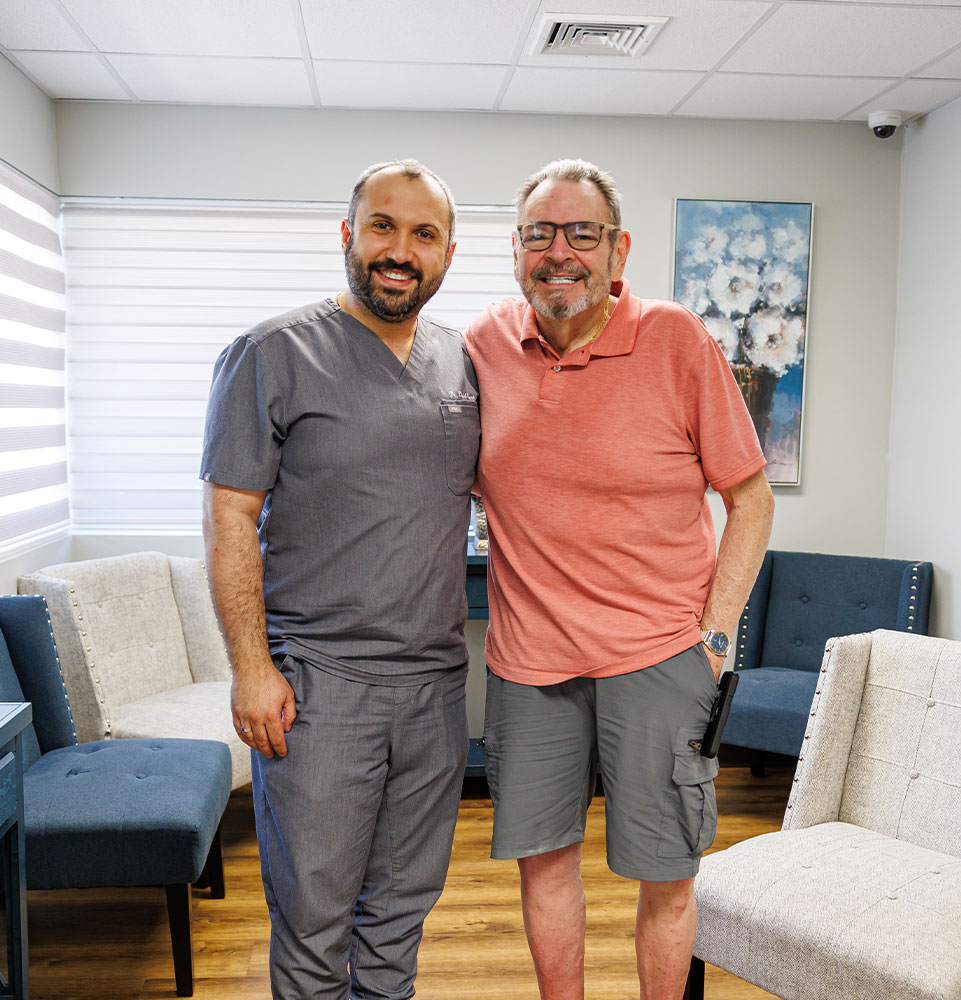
717, 642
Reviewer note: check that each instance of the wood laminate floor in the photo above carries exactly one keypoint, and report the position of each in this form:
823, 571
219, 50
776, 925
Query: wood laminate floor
114, 944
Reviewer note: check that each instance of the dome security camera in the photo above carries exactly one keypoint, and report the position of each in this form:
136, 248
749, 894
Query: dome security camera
884, 123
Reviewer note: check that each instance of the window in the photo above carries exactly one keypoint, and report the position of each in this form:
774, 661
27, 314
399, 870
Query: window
156, 291
33, 452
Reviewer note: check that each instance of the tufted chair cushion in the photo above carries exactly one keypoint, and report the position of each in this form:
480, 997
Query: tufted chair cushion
123, 812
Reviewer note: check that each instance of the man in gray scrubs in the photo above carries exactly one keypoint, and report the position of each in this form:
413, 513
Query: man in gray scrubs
338, 459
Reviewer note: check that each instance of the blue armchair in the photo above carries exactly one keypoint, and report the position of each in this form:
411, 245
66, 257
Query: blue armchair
111, 812
800, 600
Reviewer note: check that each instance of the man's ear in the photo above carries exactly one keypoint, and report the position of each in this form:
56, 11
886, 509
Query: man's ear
344, 234
450, 255
622, 247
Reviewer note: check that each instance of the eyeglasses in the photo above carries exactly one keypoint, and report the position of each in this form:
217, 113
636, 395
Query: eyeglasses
579, 235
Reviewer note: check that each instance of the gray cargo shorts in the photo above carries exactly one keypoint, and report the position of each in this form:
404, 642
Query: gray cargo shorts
544, 745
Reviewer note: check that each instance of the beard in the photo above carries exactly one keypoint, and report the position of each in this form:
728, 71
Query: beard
392, 305
556, 304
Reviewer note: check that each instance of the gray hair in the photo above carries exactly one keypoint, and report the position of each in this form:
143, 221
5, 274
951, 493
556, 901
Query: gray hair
409, 168
574, 170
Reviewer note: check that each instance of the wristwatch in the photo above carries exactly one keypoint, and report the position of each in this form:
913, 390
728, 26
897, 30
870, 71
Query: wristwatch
716, 641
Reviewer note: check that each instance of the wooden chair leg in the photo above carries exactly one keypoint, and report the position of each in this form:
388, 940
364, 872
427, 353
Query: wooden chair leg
757, 763
212, 876
178, 913
695, 980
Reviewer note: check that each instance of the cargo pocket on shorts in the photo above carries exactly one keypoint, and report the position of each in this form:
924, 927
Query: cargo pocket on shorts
689, 819
461, 443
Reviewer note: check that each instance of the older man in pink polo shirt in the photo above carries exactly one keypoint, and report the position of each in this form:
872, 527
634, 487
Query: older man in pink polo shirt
604, 419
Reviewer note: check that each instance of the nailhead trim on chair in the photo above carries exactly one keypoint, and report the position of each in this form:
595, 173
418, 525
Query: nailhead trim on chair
829, 645
914, 587
91, 666
741, 630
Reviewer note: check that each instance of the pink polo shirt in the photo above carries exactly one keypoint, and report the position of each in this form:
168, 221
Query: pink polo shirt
593, 469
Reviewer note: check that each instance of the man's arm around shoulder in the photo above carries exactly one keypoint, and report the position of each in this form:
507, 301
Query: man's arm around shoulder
750, 512
261, 700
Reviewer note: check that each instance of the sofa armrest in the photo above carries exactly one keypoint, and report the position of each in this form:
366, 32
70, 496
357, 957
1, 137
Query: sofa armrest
206, 652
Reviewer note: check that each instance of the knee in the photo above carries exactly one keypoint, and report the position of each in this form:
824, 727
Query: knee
551, 869
668, 899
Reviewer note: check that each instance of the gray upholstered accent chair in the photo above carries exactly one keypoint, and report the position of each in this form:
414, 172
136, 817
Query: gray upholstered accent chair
110, 812
859, 894
141, 650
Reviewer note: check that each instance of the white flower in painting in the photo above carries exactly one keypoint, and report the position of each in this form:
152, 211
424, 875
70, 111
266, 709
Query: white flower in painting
747, 246
708, 246
775, 340
750, 222
695, 296
790, 243
734, 287
724, 332
781, 285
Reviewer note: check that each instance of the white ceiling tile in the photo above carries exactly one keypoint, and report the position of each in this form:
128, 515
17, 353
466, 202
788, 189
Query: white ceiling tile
189, 27
913, 97
697, 35
812, 98
36, 24
596, 91
947, 68
848, 40
451, 31
215, 80
408, 85
78, 75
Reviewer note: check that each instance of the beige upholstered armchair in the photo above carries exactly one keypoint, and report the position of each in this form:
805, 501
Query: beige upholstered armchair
140, 649
859, 894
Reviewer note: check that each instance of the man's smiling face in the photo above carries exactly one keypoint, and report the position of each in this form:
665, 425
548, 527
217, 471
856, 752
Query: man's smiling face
560, 282
398, 250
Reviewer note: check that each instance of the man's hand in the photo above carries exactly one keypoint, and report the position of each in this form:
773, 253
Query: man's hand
263, 708
717, 663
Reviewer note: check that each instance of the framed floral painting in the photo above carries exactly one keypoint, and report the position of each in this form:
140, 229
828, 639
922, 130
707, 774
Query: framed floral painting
743, 267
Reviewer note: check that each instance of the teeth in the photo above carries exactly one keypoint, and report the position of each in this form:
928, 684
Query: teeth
396, 275
561, 279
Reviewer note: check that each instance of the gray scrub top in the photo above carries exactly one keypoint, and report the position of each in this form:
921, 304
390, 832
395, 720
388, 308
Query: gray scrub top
368, 466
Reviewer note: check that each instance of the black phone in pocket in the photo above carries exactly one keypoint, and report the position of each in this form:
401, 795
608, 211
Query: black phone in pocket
721, 709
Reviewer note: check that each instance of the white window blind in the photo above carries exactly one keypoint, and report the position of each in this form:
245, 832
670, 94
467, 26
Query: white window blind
33, 452
155, 291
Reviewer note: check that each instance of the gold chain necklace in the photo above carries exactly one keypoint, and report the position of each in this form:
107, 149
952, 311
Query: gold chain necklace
600, 326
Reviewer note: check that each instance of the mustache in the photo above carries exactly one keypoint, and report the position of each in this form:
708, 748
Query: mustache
552, 271
392, 265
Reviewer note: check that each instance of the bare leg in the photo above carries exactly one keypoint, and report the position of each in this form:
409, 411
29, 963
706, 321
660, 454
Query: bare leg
552, 897
664, 937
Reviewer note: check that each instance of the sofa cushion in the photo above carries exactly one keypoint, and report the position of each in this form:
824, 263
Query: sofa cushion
196, 710
773, 705
833, 911
123, 812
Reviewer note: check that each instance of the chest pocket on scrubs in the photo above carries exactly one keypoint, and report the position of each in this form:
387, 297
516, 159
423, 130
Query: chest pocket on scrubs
461, 443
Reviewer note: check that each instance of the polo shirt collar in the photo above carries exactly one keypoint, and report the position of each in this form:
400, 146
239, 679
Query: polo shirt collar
617, 337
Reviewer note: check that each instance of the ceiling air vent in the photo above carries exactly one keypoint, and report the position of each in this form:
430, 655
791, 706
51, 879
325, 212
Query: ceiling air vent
594, 35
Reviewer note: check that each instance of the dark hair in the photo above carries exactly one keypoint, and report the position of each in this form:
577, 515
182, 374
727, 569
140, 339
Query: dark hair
574, 170
409, 168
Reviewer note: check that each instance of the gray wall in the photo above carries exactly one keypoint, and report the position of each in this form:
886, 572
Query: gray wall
924, 464
28, 139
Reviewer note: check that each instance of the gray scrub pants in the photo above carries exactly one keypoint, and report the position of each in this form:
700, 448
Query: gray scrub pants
355, 827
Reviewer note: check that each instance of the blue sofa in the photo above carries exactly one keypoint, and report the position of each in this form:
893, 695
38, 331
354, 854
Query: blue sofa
111, 812
800, 600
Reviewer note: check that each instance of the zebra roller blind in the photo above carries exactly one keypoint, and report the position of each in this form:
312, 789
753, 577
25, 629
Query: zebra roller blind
33, 450
157, 290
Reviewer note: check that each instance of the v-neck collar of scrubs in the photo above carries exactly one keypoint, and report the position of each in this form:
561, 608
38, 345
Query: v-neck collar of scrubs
385, 355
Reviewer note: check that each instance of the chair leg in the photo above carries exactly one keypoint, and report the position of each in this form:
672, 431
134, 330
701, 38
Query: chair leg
695, 980
757, 763
178, 912
212, 876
